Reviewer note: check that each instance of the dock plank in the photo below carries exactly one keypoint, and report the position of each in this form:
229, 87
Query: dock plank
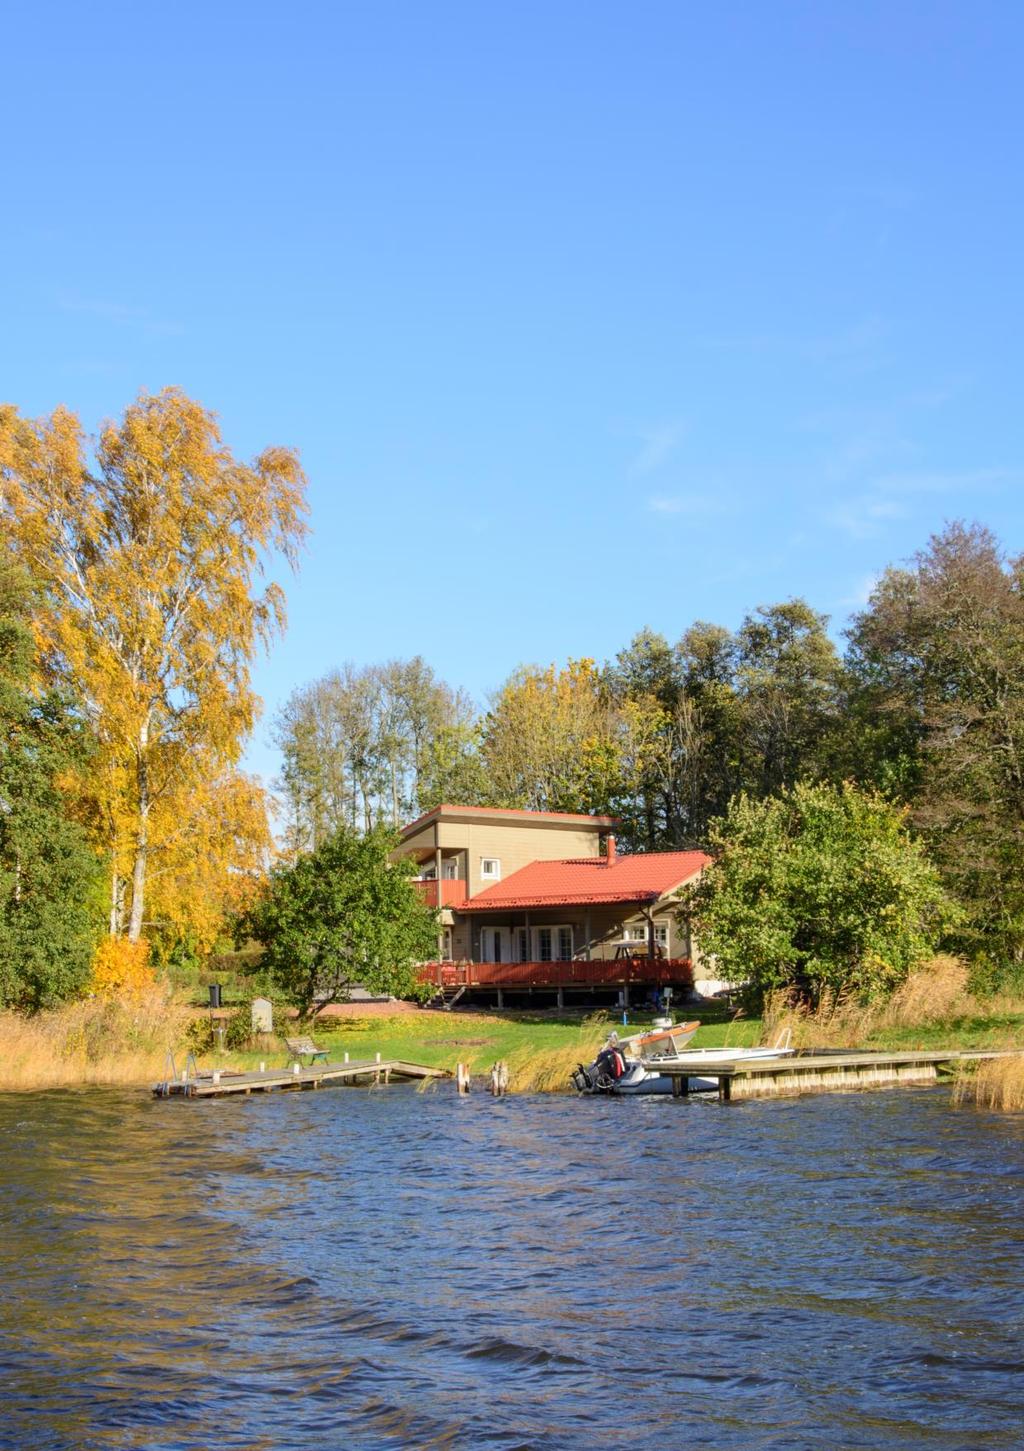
371, 1070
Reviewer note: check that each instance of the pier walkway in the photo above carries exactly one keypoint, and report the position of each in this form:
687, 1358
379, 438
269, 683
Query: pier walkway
367, 1072
811, 1070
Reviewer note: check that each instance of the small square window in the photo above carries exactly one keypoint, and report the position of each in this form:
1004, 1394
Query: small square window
490, 867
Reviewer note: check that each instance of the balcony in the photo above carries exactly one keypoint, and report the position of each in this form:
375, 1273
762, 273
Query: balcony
453, 891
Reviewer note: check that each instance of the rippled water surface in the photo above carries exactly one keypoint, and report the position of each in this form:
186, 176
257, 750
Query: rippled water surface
396, 1269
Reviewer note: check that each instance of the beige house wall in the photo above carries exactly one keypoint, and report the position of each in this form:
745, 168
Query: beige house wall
512, 842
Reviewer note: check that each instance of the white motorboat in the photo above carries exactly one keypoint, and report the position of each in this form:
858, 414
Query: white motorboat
641, 1075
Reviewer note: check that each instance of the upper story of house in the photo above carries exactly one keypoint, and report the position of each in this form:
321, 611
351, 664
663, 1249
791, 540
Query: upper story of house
471, 848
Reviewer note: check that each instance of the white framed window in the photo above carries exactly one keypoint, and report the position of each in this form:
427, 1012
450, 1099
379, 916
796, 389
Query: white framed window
553, 944
446, 951
634, 934
450, 869
522, 945
490, 868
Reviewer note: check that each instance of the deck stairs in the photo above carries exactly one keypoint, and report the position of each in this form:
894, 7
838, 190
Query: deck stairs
446, 997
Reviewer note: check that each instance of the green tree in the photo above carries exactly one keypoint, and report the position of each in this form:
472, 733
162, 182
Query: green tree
369, 745
819, 888
548, 741
789, 678
342, 915
938, 658
49, 878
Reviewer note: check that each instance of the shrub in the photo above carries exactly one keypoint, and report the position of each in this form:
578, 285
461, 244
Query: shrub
821, 890
121, 967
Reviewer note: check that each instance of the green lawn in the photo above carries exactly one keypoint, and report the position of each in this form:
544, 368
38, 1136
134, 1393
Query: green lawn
478, 1039
1000, 1030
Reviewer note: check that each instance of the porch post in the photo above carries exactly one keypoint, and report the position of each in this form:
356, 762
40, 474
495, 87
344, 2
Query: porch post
437, 888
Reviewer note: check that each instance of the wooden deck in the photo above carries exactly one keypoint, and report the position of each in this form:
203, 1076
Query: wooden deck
369, 1072
813, 1071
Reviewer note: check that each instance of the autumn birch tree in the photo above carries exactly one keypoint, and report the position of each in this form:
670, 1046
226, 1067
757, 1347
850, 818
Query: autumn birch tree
149, 549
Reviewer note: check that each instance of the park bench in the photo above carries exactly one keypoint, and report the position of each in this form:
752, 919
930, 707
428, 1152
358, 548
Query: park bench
299, 1048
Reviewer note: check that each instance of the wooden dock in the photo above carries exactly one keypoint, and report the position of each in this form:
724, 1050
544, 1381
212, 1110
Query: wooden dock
365, 1072
813, 1071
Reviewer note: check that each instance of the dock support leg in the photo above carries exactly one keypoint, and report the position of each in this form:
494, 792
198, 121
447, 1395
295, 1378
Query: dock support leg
724, 1088
677, 1086
561, 998
501, 998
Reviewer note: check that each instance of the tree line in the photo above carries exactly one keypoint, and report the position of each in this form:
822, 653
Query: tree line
922, 704
131, 608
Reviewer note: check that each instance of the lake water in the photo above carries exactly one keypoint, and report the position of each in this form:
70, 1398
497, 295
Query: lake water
397, 1269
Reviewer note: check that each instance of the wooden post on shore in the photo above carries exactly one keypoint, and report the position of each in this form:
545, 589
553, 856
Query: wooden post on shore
499, 1079
462, 1077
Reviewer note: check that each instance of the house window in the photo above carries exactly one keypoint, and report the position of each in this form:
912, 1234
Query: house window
450, 869
490, 867
553, 944
638, 934
522, 945
446, 954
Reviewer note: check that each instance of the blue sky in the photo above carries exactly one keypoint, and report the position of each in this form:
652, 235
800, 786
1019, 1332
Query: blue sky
584, 316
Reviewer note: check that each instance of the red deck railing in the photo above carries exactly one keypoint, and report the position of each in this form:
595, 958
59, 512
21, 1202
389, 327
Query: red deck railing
453, 891
598, 972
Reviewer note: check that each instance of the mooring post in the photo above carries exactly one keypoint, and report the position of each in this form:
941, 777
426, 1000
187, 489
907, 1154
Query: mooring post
462, 1078
499, 1079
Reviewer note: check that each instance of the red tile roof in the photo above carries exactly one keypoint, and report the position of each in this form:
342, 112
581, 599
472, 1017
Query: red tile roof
641, 878
525, 816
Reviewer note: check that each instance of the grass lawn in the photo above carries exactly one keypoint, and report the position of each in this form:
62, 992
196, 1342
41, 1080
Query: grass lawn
478, 1039
1000, 1030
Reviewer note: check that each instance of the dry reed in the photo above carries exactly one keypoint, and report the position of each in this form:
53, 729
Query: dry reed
547, 1070
97, 1041
935, 993
996, 1084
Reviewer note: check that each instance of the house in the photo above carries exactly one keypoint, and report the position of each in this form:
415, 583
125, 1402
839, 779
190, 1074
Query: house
542, 901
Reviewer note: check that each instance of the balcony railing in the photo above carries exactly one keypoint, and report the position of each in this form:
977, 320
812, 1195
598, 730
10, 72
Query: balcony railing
597, 972
453, 891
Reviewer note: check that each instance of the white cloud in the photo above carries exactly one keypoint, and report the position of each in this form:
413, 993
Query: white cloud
694, 506
657, 445
864, 517
119, 313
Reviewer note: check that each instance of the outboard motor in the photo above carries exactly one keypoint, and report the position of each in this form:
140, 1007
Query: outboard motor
584, 1079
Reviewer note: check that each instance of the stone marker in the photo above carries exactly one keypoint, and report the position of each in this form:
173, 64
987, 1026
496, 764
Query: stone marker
262, 1015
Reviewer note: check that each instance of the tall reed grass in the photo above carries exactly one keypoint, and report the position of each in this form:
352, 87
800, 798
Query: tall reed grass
547, 1070
997, 1084
96, 1041
937, 992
